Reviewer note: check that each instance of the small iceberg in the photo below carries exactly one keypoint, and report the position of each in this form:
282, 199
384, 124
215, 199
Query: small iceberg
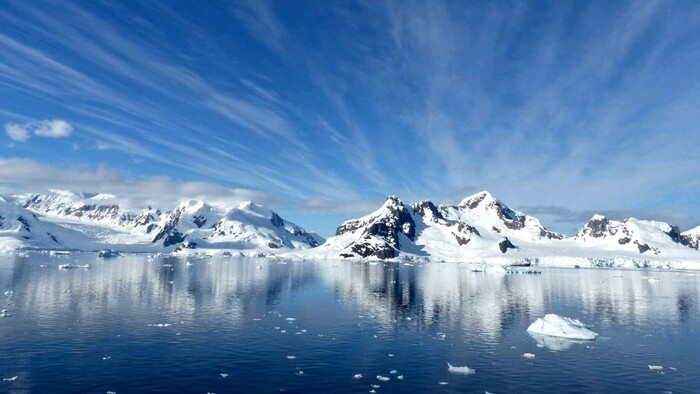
562, 327
73, 266
460, 370
656, 367
357, 376
383, 378
528, 355
12, 379
108, 254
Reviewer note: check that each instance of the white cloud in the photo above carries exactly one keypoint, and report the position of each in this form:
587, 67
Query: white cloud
17, 132
21, 175
54, 128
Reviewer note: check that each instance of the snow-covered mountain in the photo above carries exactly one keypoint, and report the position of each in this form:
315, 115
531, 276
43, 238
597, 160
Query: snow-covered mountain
481, 227
642, 236
93, 222
480, 224
20, 228
693, 237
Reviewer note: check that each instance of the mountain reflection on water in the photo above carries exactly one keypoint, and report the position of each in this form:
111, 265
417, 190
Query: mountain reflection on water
245, 316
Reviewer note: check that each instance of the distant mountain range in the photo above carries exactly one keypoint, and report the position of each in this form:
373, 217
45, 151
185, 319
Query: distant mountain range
479, 228
73, 221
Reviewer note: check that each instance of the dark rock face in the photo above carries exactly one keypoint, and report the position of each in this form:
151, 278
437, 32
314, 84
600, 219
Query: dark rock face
624, 241
425, 206
199, 221
474, 202
675, 234
382, 251
550, 234
175, 237
505, 245
511, 220
643, 247
169, 233
386, 225
272, 245
301, 233
461, 240
276, 220
598, 227
25, 223
462, 227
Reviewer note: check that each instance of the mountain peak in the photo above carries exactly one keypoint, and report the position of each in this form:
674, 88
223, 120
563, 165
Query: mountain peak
477, 199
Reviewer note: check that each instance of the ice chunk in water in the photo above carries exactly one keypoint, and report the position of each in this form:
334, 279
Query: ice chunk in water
383, 378
562, 327
12, 379
357, 376
461, 370
528, 355
656, 367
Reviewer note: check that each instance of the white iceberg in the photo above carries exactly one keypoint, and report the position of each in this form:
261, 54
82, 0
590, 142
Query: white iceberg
554, 343
562, 327
461, 370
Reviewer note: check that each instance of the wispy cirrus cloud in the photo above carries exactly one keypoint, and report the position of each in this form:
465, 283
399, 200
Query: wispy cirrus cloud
585, 106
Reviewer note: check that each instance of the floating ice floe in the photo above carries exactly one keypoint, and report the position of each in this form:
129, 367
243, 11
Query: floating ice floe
374, 386
373, 391
654, 280
290, 319
291, 357
357, 376
460, 370
224, 375
159, 325
299, 373
528, 355
393, 372
383, 378
5, 313
562, 327
12, 379
73, 266
400, 377
656, 367
441, 336
443, 383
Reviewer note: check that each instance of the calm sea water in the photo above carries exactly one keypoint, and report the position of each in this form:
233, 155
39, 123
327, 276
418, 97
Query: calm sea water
264, 322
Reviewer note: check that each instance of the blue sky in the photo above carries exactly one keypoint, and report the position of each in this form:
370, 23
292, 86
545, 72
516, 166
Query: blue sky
321, 109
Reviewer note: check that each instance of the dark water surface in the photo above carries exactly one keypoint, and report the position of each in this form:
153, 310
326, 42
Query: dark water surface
96, 330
